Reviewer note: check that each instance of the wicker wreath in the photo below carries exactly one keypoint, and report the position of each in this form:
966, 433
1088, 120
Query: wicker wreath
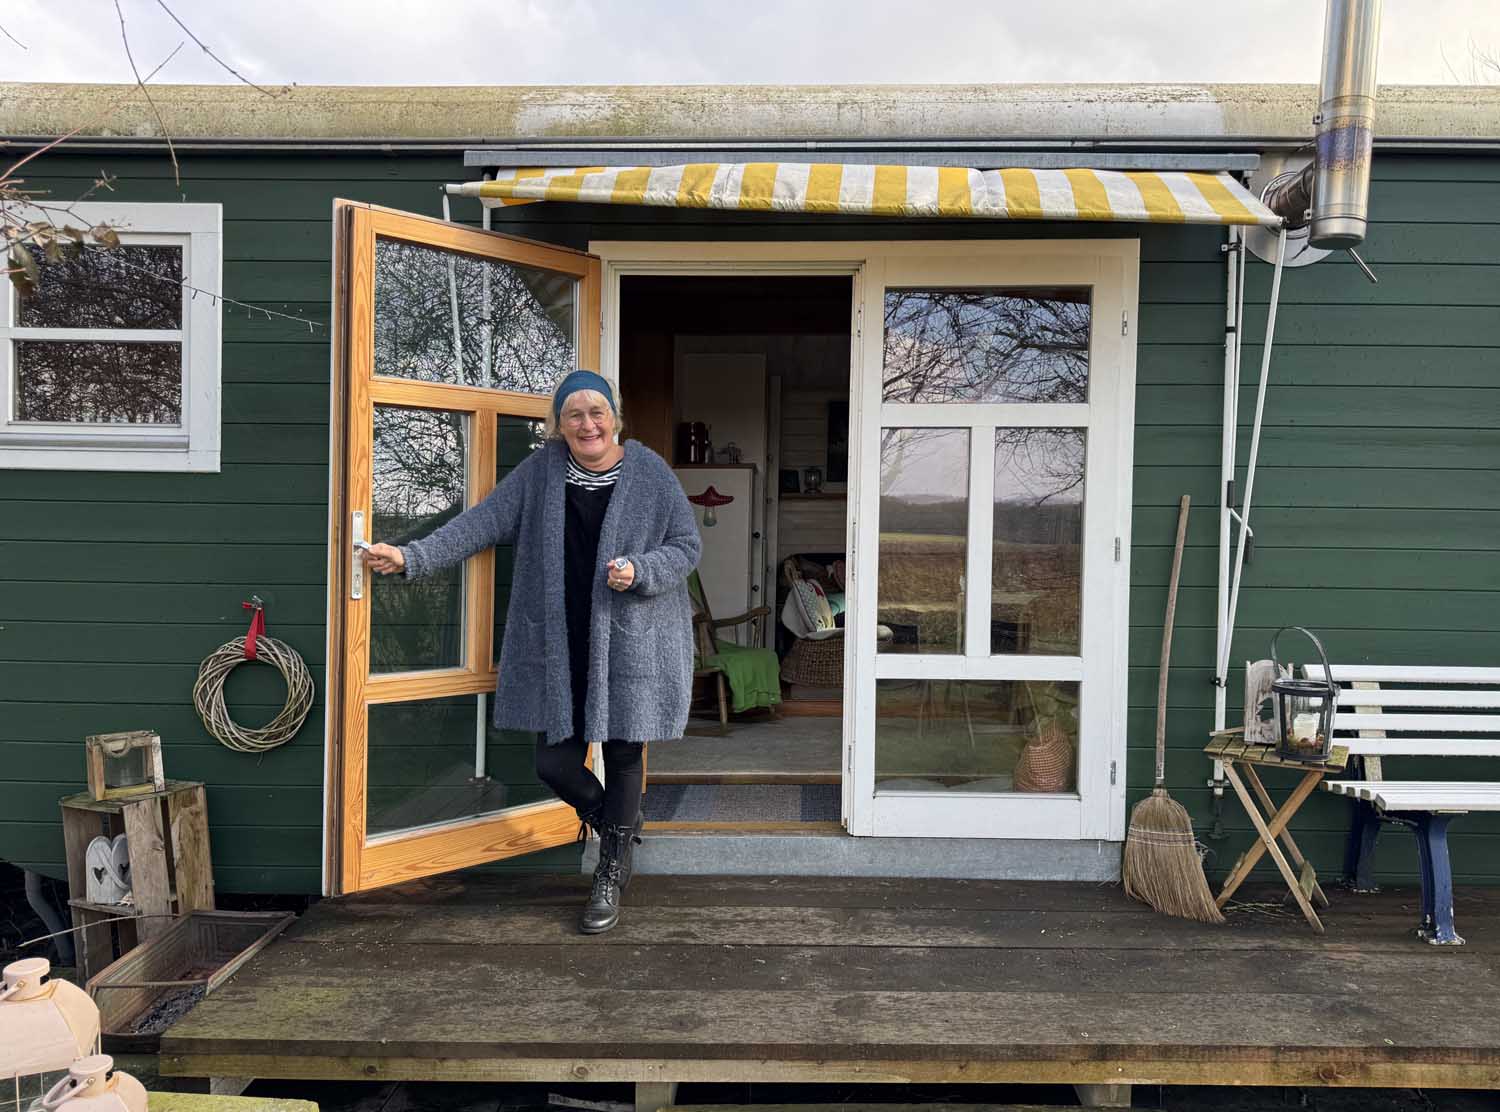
208, 695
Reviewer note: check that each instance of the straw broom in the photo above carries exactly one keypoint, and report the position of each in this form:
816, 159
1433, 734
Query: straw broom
1162, 866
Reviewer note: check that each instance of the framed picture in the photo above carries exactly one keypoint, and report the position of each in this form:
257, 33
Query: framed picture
790, 481
838, 441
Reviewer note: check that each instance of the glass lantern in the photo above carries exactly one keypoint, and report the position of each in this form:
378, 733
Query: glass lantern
1304, 708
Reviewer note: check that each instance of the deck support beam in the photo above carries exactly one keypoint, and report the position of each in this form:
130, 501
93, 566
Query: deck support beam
1099, 1096
653, 1095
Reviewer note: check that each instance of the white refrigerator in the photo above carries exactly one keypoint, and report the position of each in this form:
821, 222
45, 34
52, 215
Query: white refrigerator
729, 564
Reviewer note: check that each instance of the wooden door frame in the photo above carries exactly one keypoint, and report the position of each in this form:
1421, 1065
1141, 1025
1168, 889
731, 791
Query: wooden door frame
350, 860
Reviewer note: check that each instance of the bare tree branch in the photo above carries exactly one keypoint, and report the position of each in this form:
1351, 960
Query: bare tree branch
27, 220
188, 31
176, 167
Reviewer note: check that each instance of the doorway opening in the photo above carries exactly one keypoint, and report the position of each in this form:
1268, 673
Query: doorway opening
743, 385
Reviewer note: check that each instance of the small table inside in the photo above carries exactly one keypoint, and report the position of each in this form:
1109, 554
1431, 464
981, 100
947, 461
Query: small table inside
1240, 762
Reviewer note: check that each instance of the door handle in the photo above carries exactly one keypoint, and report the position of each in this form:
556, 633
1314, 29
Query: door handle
357, 557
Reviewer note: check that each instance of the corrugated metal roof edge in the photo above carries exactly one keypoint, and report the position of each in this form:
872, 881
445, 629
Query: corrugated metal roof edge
443, 118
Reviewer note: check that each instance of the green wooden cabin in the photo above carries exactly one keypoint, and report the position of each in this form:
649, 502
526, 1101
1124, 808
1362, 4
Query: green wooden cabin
1377, 507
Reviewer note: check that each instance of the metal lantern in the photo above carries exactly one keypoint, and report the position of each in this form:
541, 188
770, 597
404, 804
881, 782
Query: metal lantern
1304, 708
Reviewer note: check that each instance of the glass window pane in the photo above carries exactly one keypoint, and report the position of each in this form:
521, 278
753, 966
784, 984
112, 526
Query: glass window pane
1038, 562
516, 438
976, 736
516, 324
924, 528
98, 383
132, 286
420, 482
421, 764
987, 345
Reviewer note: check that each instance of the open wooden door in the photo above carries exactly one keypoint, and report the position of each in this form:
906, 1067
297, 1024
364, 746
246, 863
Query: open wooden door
450, 341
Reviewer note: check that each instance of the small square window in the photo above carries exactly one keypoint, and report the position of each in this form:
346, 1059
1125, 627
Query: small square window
110, 363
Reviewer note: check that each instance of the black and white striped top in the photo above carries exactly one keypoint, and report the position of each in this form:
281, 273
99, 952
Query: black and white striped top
581, 476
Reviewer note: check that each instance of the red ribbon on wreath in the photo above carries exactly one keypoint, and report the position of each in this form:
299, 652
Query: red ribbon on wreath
257, 624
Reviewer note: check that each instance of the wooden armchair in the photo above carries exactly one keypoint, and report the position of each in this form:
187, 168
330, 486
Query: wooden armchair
707, 647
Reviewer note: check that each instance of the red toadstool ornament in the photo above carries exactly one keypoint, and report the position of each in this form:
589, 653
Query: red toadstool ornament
710, 500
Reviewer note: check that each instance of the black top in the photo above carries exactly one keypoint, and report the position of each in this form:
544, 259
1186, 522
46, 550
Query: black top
588, 494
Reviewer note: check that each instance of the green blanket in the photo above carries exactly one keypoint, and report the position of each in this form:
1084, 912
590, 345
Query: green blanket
754, 675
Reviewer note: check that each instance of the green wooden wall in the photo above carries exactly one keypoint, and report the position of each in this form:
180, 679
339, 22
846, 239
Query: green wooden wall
1378, 508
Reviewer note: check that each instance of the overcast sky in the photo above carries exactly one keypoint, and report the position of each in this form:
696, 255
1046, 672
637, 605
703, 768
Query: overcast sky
522, 42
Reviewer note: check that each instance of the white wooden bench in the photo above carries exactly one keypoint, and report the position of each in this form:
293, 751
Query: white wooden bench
1404, 712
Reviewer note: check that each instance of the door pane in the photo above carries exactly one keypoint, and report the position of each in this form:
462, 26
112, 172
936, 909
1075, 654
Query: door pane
976, 735
420, 462
515, 439
1038, 562
924, 528
422, 761
517, 325
987, 345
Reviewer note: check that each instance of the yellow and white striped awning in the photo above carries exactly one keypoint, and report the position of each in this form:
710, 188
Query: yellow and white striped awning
1154, 197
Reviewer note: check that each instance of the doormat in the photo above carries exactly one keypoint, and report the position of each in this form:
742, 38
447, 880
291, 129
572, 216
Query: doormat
741, 803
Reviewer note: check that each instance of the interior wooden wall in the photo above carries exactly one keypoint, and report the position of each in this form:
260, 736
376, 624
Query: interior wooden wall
655, 310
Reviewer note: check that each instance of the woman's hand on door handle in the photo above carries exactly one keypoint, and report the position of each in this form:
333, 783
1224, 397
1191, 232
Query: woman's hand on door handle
384, 558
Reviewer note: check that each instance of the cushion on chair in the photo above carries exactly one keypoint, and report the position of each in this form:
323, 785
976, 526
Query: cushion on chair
812, 604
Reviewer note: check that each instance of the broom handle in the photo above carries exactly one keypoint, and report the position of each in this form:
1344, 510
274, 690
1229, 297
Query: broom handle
1166, 644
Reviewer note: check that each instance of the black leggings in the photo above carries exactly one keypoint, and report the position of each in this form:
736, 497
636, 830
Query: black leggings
561, 768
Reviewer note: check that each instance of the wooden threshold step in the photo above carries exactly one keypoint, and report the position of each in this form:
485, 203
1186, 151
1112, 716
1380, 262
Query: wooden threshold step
743, 776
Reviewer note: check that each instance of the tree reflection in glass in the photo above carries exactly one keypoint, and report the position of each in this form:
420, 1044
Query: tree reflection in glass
420, 464
94, 382
987, 345
1038, 569
516, 325
102, 380
515, 439
131, 286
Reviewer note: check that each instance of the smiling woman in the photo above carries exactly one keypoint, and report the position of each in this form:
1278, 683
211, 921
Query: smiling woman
609, 657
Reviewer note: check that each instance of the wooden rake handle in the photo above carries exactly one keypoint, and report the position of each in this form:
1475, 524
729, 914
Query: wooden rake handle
1166, 642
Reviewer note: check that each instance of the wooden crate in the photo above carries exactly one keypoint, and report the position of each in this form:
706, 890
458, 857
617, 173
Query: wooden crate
200, 950
170, 868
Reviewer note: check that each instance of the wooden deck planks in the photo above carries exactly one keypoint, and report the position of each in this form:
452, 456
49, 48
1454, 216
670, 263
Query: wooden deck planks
480, 978
861, 927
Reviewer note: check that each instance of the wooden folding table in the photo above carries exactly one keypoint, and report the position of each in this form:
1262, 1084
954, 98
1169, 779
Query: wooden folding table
1240, 761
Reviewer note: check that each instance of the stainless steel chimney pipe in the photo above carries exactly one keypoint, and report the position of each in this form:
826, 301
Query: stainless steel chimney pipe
1345, 123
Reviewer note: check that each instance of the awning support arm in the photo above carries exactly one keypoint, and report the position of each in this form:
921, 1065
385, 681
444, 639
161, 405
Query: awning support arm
1226, 635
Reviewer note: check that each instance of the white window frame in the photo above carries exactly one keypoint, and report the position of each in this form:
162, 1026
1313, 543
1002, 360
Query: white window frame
1097, 811
192, 445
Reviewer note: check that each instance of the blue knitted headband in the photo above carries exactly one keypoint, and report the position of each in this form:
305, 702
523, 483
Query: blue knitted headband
582, 380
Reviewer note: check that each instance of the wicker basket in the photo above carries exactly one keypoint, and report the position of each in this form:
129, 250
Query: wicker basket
815, 662
1046, 762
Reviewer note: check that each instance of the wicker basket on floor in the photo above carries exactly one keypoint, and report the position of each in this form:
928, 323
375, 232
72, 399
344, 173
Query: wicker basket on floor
815, 662
1046, 763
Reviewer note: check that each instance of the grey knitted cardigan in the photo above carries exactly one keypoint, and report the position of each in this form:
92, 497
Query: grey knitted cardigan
641, 640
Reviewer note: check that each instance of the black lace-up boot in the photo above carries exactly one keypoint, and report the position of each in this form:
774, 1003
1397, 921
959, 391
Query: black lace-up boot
627, 849
592, 819
603, 909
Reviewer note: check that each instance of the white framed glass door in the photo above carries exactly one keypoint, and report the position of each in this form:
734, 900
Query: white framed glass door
992, 541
